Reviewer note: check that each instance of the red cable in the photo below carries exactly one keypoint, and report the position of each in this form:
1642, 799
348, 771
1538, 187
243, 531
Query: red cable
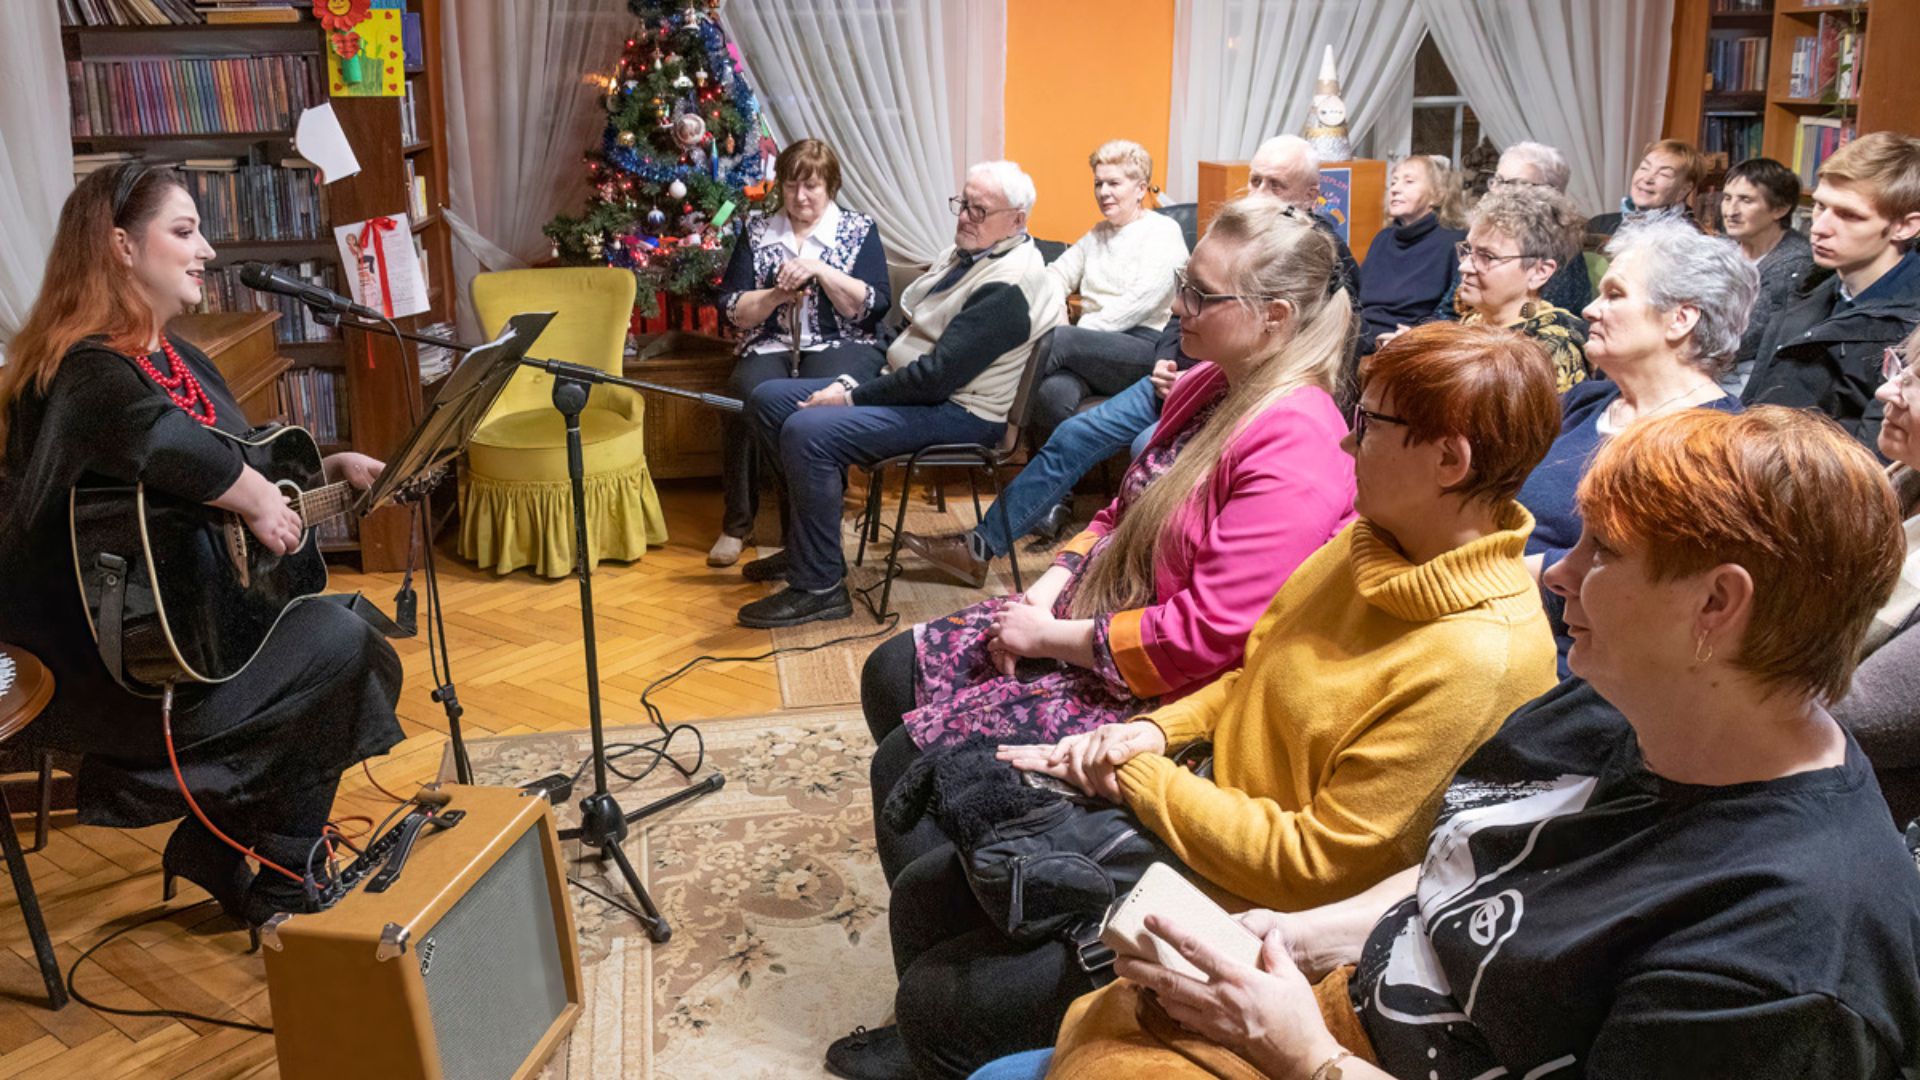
377, 786
166, 727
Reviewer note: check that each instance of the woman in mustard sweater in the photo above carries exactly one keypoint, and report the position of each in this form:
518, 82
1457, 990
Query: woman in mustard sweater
1387, 657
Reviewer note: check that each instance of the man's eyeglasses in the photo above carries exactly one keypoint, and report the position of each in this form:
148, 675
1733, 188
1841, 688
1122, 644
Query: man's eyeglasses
1364, 416
1481, 258
1192, 301
975, 214
1896, 367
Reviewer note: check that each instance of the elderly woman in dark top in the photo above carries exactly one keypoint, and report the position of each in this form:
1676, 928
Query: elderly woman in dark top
1756, 205
1678, 867
1883, 708
1411, 263
807, 286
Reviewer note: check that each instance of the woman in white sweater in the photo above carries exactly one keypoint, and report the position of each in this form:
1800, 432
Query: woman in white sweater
1123, 270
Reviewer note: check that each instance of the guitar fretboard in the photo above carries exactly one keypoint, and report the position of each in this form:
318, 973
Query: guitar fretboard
321, 504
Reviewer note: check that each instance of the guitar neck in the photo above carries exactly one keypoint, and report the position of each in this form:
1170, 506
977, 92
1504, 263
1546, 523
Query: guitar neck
324, 504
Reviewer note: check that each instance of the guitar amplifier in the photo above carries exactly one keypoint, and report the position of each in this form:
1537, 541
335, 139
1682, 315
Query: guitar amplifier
464, 968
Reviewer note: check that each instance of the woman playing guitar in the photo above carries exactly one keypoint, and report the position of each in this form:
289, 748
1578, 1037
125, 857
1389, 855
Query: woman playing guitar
94, 392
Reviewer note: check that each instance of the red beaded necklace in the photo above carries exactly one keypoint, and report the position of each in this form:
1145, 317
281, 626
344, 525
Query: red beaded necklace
180, 385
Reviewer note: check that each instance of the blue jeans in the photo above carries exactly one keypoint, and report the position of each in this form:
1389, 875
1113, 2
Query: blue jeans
1083, 441
813, 448
1031, 1065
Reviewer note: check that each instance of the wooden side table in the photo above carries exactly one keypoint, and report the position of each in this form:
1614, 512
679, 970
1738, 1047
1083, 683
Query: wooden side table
683, 438
31, 690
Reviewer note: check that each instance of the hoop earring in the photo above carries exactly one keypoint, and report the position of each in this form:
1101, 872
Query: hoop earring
1701, 647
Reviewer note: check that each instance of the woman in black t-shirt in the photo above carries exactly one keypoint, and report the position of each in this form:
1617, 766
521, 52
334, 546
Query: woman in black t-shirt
1675, 865
96, 393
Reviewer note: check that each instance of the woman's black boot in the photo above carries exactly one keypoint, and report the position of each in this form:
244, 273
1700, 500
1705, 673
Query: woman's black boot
196, 854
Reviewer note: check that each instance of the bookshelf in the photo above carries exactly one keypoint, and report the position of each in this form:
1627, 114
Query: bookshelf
1884, 34
221, 99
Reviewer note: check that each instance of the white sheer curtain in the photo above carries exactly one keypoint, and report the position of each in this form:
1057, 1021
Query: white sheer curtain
907, 92
522, 107
36, 156
1586, 76
1243, 70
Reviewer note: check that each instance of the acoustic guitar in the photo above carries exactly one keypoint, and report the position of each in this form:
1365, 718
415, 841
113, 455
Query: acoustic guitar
194, 592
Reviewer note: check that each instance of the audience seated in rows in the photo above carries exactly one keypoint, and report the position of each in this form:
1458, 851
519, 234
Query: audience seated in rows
1411, 263
1756, 210
1676, 865
1824, 351
951, 374
1387, 657
807, 285
1517, 237
1663, 182
1285, 169
1123, 271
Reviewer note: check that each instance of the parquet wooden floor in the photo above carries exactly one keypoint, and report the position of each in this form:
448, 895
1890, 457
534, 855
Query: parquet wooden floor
515, 647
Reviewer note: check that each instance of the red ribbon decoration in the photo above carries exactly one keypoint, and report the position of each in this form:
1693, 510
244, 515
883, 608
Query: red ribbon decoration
370, 231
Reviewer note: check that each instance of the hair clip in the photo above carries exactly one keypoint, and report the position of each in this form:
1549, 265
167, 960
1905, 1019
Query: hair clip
130, 176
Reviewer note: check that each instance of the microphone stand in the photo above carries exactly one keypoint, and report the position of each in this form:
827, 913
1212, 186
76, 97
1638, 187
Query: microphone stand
444, 692
603, 824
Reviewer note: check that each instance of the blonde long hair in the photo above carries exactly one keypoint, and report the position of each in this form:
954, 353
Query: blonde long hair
1280, 255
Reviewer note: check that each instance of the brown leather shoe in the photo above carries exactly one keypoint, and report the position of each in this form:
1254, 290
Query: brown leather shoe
950, 554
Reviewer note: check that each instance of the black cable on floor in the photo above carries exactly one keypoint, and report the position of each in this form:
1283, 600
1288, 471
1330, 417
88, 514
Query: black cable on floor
170, 1014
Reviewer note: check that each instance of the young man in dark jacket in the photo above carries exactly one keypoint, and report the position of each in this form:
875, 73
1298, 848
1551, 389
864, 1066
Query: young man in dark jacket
1824, 352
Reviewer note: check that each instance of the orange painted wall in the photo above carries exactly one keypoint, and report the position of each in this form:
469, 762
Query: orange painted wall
1080, 72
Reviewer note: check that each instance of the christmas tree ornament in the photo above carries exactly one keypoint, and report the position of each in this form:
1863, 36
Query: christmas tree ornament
682, 82
1327, 127
618, 244
594, 245
666, 117
689, 129
555, 249
627, 138
656, 217
728, 146
701, 76
677, 189
630, 85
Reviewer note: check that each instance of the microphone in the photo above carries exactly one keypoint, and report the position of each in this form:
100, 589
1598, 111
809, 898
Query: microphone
268, 279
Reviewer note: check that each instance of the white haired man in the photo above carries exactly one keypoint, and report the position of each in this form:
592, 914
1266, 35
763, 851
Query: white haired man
951, 376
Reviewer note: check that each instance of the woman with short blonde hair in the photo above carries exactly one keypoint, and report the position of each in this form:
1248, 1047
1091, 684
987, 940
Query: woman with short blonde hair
1122, 270
1411, 263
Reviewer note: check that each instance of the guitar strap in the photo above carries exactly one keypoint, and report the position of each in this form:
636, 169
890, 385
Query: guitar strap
110, 575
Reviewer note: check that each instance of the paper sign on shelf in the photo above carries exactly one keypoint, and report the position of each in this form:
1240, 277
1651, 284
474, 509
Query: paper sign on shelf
383, 270
319, 138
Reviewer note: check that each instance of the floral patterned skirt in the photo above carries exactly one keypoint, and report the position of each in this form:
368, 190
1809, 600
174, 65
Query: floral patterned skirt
958, 692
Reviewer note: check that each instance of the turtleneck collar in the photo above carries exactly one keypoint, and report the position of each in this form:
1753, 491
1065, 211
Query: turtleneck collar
1490, 568
1413, 231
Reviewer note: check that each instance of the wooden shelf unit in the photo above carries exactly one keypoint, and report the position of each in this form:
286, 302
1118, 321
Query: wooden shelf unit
1888, 97
382, 383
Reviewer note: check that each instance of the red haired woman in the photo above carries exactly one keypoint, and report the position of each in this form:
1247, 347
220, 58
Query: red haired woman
95, 392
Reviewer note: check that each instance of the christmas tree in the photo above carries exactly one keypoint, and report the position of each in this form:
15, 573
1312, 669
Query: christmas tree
683, 151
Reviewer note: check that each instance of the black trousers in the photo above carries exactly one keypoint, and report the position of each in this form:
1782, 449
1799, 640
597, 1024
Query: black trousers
967, 994
740, 465
1083, 363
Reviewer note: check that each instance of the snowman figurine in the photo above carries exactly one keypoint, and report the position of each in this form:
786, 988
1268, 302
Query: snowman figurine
1327, 128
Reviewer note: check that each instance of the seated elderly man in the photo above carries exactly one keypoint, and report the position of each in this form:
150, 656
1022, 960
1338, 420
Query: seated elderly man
951, 376
1283, 168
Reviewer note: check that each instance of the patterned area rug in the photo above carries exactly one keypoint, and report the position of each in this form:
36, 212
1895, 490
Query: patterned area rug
771, 885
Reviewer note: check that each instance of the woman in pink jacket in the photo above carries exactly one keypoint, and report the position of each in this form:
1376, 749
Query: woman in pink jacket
1243, 480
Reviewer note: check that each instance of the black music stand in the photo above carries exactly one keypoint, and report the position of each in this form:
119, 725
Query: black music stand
432, 447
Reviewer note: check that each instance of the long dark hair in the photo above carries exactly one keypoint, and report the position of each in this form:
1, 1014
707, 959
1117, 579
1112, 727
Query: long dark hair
86, 291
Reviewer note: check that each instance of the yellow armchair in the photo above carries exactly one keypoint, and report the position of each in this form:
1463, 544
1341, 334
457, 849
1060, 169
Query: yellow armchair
516, 506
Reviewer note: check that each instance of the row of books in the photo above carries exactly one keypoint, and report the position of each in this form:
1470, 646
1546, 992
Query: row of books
409, 117
1830, 60
1815, 139
310, 397
257, 202
1736, 64
223, 292
1736, 135
1741, 7
191, 95
128, 13
248, 11
417, 203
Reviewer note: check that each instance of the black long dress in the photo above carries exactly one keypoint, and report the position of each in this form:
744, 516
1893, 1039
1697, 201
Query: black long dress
263, 752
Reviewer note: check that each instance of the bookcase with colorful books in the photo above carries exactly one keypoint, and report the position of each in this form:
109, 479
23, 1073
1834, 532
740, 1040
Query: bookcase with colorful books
1840, 69
216, 88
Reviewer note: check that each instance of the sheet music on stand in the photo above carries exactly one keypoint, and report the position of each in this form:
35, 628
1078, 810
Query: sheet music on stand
455, 412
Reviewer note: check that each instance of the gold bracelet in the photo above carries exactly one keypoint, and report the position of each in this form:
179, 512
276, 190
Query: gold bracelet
1330, 1068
